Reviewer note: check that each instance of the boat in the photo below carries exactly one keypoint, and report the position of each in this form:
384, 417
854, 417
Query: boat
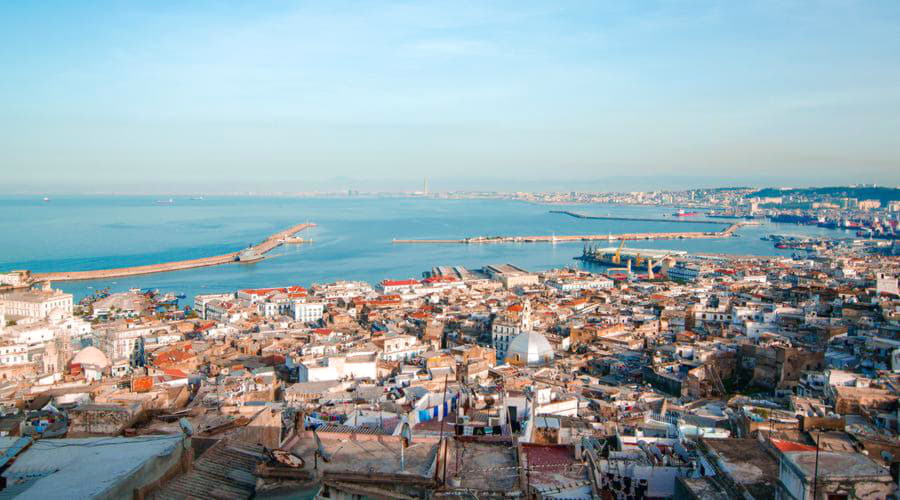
170, 201
197, 198
46, 199
682, 213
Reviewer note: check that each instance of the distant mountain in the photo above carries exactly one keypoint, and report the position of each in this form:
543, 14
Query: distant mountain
884, 194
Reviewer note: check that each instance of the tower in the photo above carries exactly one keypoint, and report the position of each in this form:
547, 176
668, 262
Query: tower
425, 186
525, 317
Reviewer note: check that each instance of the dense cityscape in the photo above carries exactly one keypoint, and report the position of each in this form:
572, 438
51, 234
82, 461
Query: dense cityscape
662, 374
517, 249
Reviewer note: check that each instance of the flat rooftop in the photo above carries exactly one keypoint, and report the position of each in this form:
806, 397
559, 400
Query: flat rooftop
365, 456
483, 466
81, 468
749, 463
833, 465
35, 296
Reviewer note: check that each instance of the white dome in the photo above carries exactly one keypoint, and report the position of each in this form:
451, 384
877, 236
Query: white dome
530, 348
91, 356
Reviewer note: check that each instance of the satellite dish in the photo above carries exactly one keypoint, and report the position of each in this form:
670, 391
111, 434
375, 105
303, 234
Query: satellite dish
186, 426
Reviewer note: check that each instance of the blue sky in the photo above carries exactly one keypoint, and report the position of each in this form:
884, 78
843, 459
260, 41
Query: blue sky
519, 95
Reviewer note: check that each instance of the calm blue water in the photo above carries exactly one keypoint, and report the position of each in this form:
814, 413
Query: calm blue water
352, 240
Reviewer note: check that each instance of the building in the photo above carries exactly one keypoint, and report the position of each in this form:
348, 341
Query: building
388, 287
15, 279
511, 276
351, 366
307, 312
503, 330
400, 347
96, 467
683, 272
35, 305
839, 475
12, 354
886, 284
576, 283
869, 204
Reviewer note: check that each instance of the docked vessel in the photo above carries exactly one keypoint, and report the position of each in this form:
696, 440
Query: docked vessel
682, 213
628, 257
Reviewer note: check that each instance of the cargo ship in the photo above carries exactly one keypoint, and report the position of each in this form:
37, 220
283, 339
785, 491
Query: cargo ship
682, 213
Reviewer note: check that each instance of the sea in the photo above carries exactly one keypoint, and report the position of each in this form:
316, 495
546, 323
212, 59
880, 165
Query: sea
352, 239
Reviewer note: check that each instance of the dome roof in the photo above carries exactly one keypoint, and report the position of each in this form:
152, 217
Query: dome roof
91, 356
530, 348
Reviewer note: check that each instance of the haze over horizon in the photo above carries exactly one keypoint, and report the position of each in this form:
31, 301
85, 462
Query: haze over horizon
282, 96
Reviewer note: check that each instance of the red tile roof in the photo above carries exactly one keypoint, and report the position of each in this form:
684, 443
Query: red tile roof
791, 446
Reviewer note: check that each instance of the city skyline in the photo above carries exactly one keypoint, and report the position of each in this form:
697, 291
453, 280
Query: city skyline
128, 97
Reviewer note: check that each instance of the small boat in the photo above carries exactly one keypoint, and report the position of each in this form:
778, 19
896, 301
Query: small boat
46, 199
170, 201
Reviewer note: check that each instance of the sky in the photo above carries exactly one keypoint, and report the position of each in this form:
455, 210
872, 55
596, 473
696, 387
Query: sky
299, 96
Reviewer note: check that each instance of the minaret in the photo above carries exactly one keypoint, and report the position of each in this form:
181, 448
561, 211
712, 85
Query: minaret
525, 317
425, 186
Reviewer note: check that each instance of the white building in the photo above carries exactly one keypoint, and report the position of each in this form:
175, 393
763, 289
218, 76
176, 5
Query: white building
502, 332
35, 305
13, 354
398, 286
887, 284
345, 367
401, 348
683, 272
581, 283
307, 312
118, 343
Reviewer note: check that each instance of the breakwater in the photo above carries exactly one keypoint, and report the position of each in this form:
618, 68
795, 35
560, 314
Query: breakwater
261, 249
674, 220
725, 233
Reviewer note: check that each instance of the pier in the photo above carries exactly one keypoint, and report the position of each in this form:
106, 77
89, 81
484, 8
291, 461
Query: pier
725, 233
674, 220
260, 250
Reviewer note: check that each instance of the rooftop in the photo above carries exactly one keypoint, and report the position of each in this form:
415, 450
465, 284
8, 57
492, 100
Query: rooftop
835, 465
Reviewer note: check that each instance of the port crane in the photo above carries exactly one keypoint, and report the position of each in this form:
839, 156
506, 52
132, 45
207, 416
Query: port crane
617, 258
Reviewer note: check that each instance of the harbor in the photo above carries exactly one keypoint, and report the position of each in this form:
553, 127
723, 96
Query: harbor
251, 254
197, 230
